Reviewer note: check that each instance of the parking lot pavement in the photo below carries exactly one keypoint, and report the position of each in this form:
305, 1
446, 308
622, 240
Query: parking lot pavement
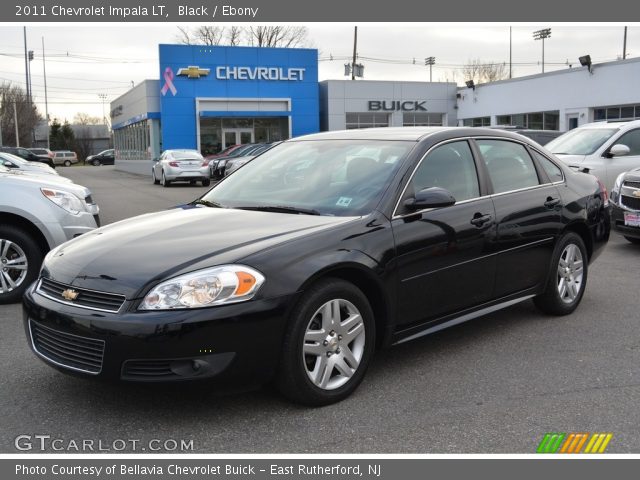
493, 385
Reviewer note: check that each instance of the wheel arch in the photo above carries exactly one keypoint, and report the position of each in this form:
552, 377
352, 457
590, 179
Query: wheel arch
25, 224
583, 231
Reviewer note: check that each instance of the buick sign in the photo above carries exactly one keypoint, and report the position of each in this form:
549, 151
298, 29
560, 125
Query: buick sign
397, 106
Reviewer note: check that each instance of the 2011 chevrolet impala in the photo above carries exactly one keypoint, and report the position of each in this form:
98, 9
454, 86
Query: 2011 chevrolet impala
298, 266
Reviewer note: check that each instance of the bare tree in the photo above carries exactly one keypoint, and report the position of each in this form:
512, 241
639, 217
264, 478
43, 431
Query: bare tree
484, 72
83, 142
27, 114
277, 36
258, 36
82, 118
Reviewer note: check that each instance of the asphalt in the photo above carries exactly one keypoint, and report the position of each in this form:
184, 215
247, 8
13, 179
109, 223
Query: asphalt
493, 385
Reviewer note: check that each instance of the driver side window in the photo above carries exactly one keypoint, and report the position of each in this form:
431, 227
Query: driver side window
632, 140
449, 166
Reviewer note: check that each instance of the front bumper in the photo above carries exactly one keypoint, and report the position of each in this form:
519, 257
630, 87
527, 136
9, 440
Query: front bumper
238, 341
618, 220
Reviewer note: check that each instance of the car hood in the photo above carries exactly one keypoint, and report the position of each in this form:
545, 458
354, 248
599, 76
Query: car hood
129, 256
41, 174
633, 175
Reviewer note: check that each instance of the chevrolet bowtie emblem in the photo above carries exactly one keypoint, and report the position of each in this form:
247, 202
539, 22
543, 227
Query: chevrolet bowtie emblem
70, 294
194, 72
636, 193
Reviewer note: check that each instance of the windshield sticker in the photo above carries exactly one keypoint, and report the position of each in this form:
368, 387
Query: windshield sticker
344, 201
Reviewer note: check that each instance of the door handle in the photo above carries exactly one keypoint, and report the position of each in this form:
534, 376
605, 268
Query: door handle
551, 202
479, 219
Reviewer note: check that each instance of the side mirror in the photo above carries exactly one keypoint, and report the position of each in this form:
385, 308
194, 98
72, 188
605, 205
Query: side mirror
619, 150
432, 197
155, 159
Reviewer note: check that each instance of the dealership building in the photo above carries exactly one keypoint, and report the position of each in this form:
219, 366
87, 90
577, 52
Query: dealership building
207, 98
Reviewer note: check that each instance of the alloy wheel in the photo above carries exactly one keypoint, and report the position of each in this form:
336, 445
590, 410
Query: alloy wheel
570, 273
13, 266
334, 343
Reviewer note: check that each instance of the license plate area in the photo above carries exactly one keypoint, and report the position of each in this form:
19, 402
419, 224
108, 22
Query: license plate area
632, 219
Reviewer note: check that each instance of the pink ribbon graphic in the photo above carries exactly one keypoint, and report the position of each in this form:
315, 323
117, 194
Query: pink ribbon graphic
168, 82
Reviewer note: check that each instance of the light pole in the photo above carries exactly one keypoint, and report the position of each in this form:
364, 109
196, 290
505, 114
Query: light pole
103, 97
431, 61
541, 35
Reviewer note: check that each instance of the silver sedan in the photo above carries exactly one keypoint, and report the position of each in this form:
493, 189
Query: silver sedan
180, 166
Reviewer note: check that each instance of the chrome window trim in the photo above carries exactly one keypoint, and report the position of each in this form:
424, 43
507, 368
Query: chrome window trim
564, 178
48, 359
46, 295
395, 210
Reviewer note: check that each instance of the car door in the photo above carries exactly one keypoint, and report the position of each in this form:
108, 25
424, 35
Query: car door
616, 165
443, 254
528, 210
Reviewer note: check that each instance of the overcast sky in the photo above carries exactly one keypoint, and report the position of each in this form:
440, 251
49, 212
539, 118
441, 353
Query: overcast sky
106, 59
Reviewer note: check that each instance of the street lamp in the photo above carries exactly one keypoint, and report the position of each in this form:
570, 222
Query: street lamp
103, 97
431, 61
541, 35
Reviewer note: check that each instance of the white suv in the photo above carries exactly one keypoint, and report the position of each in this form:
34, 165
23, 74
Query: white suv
604, 149
36, 215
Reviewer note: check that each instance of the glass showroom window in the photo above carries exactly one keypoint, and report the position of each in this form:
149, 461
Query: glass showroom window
626, 112
477, 122
133, 141
366, 120
421, 119
534, 120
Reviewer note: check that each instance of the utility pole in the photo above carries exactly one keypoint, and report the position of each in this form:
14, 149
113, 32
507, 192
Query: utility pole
541, 35
624, 45
510, 53
355, 49
46, 100
15, 121
103, 97
431, 62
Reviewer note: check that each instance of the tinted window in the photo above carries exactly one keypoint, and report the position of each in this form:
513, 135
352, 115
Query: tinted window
632, 140
451, 167
510, 166
553, 171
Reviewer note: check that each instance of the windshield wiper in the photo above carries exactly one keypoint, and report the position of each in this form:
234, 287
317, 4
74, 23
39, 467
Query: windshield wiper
281, 209
207, 203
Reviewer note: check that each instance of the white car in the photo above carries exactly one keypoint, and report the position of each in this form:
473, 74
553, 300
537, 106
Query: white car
180, 166
14, 162
603, 149
34, 174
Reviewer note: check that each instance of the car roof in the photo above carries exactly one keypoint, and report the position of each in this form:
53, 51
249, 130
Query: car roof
612, 124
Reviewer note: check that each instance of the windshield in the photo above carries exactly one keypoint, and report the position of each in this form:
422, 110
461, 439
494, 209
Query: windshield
581, 141
325, 177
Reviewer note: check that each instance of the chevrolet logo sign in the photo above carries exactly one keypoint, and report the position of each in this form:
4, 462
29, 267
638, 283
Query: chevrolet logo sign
193, 72
70, 294
636, 193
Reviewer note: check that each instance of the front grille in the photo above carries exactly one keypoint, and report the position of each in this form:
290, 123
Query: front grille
67, 350
107, 302
147, 370
631, 183
630, 202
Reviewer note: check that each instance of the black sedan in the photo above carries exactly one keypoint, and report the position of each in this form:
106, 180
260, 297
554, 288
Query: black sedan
298, 267
625, 202
106, 157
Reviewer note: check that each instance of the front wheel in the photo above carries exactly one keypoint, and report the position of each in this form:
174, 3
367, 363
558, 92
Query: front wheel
329, 344
153, 176
567, 279
20, 259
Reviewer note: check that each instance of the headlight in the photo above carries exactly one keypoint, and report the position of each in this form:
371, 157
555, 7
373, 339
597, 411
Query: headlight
205, 288
64, 200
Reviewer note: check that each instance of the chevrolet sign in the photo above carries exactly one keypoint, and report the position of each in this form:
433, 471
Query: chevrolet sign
260, 73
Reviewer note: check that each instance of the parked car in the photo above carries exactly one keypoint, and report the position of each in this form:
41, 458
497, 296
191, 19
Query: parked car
217, 165
235, 163
541, 137
17, 163
65, 157
27, 155
604, 149
28, 174
180, 166
36, 215
625, 201
223, 153
298, 266
106, 157
43, 153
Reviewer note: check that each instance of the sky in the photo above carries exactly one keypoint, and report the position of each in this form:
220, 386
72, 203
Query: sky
84, 63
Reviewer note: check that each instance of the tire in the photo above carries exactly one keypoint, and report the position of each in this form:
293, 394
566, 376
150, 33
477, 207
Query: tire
303, 375
206, 182
96, 163
153, 175
15, 243
67, 163
635, 241
163, 181
567, 277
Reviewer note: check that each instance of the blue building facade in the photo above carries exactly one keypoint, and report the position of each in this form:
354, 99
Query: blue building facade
213, 97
